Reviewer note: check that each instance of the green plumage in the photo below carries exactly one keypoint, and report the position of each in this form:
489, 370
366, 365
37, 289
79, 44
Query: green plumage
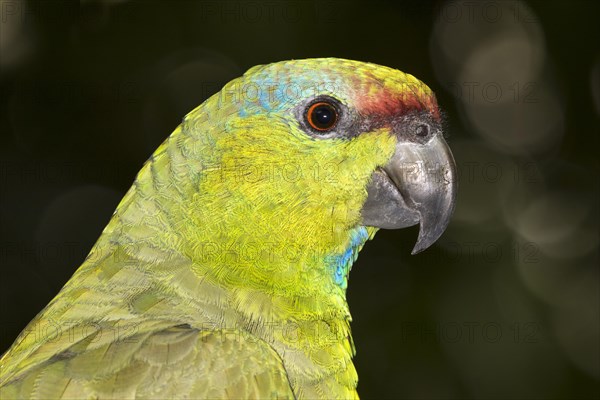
223, 271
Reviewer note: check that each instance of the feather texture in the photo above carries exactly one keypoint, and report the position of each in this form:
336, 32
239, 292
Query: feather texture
223, 271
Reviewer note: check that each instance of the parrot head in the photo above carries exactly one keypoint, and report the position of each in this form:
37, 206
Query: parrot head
301, 161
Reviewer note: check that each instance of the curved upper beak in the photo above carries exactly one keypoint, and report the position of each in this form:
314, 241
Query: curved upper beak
417, 186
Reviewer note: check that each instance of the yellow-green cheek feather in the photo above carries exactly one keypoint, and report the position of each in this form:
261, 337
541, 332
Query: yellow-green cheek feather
283, 211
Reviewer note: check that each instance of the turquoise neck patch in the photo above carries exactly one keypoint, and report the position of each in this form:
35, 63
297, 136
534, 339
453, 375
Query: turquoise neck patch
342, 263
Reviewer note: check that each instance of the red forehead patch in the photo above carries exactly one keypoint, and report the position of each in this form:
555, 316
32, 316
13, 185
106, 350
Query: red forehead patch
386, 102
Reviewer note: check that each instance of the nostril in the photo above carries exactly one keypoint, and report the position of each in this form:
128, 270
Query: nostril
422, 130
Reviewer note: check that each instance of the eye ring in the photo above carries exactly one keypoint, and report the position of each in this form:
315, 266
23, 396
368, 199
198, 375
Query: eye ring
322, 116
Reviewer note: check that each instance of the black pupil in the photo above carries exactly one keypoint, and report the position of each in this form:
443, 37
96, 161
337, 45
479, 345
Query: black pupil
323, 116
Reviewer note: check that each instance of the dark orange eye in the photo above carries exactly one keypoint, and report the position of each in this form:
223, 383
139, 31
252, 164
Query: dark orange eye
321, 116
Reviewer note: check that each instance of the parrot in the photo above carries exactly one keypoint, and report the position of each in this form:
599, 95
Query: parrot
223, 271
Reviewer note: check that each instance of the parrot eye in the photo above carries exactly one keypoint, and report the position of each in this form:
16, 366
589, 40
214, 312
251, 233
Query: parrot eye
322, 116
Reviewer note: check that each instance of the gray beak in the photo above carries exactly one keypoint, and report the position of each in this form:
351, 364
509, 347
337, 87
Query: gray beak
417, 186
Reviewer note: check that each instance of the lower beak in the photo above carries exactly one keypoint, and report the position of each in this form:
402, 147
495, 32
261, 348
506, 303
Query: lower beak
417, 186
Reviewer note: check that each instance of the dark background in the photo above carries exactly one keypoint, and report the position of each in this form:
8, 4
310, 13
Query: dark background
505, 305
